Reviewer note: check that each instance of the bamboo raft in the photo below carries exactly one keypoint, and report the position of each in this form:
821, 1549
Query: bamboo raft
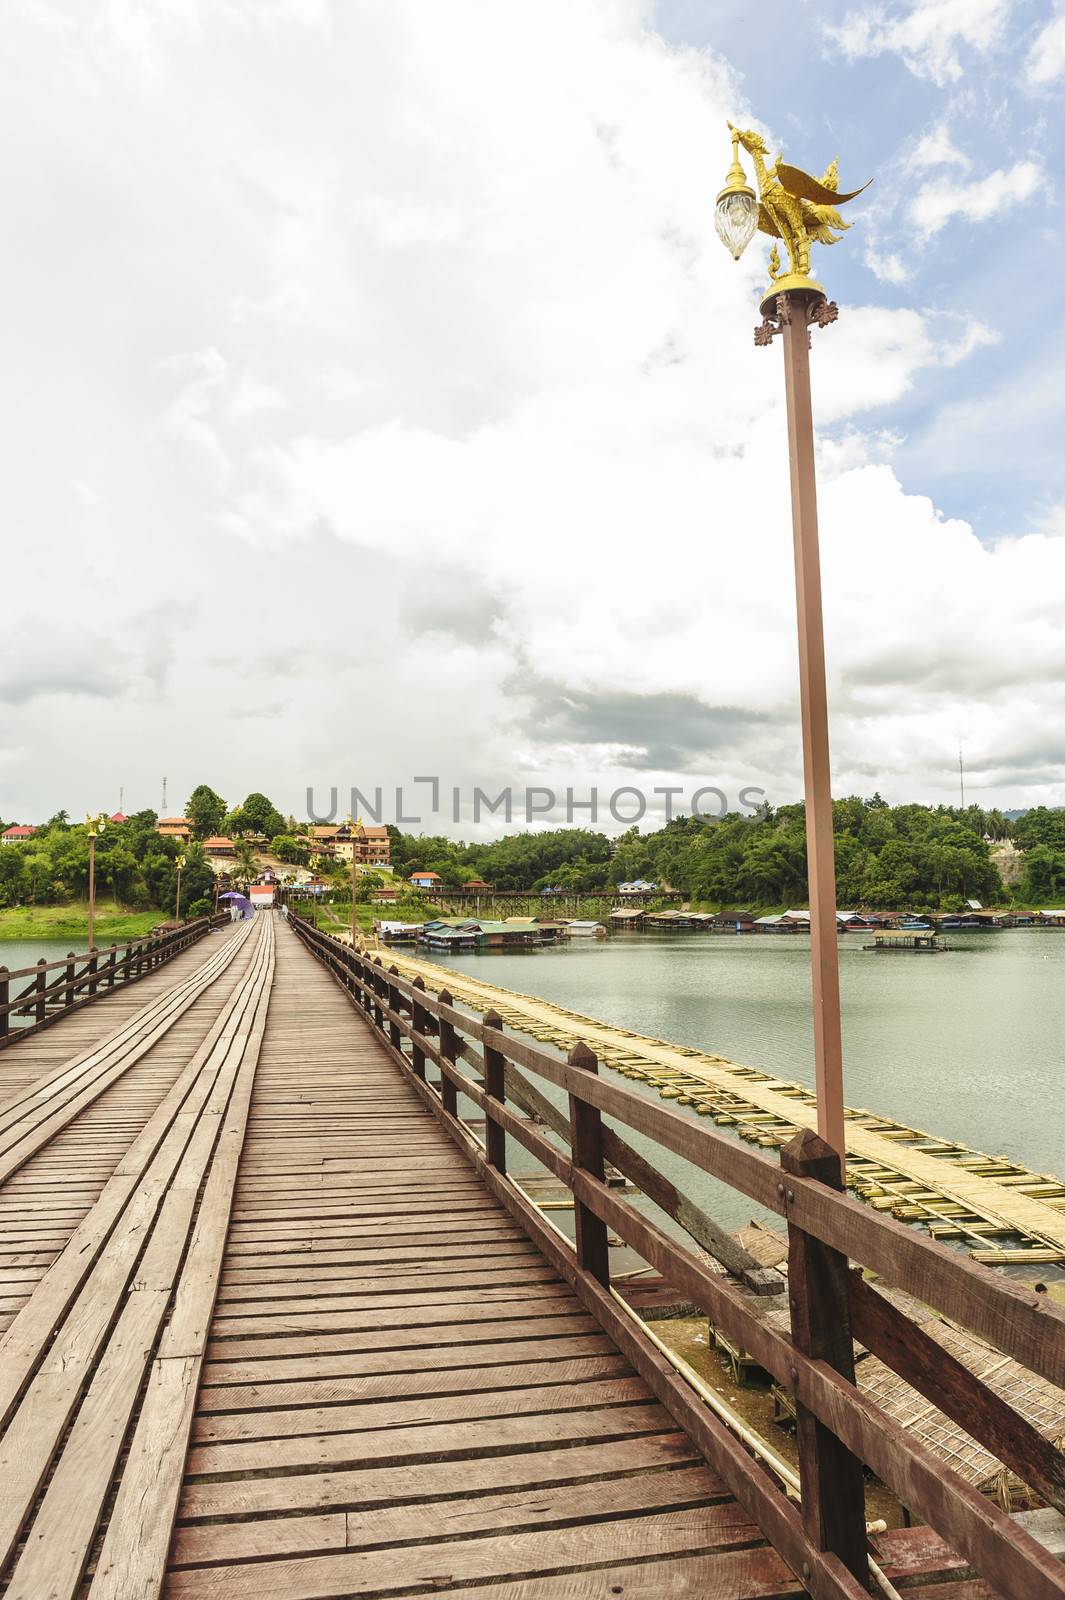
1003, 1212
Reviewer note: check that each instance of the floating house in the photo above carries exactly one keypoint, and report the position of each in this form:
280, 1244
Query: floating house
515, 931
681, 920
968, 921
580, 929
442, 936
918, 939
398, 932
627, 917
777, 924
733, 922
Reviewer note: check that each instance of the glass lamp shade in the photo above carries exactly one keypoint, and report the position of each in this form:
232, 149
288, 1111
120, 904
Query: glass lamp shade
736, 219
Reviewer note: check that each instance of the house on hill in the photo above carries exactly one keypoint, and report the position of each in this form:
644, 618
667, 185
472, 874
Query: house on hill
425, 880
370, 846
179, 828
220, 852
18, 833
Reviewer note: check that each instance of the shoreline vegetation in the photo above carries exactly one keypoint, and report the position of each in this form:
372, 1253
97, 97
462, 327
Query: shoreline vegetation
888, 858
113, 922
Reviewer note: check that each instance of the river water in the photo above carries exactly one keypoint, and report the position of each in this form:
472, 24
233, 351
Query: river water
18, 953
968, 1045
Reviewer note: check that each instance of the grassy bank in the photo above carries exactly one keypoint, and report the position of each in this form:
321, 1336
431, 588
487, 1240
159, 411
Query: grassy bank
113, 922
336, 914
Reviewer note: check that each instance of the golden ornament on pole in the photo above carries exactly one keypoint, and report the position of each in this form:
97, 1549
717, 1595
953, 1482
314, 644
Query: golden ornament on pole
792, 206
800, 210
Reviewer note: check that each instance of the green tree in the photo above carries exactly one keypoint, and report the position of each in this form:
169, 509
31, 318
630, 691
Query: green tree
1044, 875
245, 868
257, 814
287, 847
205, 811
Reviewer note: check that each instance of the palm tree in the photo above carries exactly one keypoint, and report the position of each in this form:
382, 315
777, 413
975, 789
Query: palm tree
246, 863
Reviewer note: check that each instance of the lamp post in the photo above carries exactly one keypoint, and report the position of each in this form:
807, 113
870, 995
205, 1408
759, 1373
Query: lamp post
179, 863
797, 209
352, 825
93, 826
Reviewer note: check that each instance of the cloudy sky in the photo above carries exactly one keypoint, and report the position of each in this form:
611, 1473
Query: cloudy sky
379, 402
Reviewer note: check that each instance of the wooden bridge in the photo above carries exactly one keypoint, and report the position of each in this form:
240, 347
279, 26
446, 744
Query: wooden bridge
278, 1322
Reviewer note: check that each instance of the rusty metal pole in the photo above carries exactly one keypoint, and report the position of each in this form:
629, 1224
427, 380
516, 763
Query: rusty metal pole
794, 315
92, 890
354, 913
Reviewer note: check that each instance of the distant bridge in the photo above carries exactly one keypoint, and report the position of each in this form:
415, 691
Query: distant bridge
509, 903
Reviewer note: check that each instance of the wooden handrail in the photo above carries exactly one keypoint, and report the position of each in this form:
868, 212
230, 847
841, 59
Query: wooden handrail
48, 1001
812, 1365
1028, 1326
145, 938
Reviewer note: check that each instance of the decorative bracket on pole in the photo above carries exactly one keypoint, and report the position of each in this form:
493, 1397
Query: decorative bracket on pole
777, 314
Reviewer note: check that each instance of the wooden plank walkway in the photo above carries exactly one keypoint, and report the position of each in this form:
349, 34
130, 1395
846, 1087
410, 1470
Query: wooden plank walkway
399, 1394
919, 1177
63, 1133
96, 1366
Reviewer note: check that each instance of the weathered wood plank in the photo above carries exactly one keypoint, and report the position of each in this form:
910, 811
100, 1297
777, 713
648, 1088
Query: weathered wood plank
392, 1485
688, 1532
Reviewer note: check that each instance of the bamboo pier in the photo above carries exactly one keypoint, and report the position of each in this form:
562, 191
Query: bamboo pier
1003, 1212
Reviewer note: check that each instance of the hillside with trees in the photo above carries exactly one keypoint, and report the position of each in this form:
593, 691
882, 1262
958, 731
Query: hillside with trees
135, 866
886, 857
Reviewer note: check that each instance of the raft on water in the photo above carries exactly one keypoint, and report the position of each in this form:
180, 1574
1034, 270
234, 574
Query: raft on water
906, 939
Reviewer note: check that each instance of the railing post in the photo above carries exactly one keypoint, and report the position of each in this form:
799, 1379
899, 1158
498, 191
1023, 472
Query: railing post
375, 975
495, 1137
394, 1032
418, 1019
93, 968
586, 1142
833, 1487
449, 1052
112, 958
68, 992
38, 984
127, 964
5, 1000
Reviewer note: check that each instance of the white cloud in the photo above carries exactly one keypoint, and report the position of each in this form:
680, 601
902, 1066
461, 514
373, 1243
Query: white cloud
939, 200
927, 34
1046, 60
935, 149
409, 374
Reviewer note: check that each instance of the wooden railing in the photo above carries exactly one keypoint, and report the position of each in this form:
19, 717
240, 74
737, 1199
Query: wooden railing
85, 977
831, 1303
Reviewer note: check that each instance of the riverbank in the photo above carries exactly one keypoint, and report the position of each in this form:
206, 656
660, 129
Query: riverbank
114, 922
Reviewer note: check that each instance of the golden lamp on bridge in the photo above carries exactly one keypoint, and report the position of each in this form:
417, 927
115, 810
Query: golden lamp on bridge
798, 211
791, 206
